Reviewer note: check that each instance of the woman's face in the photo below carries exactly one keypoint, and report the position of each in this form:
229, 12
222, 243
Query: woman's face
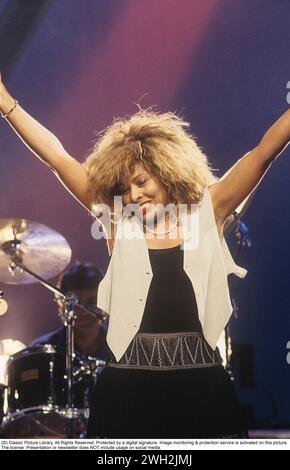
145, 190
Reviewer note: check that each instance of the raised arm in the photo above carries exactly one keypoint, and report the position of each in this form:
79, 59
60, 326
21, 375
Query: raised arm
45, 146
245, 175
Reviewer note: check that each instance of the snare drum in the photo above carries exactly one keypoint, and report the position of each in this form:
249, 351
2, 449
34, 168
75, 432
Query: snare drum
37, 396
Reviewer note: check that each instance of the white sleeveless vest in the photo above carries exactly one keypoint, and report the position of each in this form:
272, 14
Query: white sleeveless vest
207, 261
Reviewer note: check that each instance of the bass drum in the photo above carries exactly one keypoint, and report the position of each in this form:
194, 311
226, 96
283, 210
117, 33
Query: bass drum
36, 396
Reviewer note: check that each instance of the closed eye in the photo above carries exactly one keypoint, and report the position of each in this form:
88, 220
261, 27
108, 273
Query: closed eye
140, 183
125, 190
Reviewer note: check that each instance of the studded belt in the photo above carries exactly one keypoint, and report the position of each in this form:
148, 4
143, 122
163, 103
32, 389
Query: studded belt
167, 351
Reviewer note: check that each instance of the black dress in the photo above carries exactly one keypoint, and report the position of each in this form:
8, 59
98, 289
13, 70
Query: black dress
185, 403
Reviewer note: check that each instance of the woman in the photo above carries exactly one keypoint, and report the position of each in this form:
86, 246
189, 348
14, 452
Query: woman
166, 286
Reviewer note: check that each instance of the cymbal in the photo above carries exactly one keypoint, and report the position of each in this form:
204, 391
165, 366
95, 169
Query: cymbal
39, 248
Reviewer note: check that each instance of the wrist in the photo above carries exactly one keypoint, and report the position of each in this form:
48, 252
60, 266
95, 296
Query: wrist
7, 114
6, 101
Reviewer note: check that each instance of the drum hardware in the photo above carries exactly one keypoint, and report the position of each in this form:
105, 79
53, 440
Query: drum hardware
37, 399
88, 367
31, 252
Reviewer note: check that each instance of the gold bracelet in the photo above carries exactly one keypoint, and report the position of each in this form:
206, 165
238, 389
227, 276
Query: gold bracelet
5, 115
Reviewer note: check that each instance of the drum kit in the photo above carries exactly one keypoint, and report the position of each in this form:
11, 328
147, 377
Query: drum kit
48, 388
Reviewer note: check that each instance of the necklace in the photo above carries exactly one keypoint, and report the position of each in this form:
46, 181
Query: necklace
162, 232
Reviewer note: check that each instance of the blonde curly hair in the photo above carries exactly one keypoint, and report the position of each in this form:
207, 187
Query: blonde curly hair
162, 143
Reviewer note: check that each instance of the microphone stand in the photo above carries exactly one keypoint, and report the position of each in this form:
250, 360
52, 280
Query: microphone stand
241, 231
